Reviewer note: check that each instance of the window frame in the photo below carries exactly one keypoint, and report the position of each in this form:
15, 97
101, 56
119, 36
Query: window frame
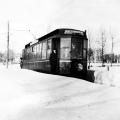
64, 55
81, 41
44, 57
48, 53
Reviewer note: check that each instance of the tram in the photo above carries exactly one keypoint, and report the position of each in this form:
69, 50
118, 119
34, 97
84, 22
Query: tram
62, 51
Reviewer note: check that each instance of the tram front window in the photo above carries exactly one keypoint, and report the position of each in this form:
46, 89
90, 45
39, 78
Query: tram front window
76, 48
65, 47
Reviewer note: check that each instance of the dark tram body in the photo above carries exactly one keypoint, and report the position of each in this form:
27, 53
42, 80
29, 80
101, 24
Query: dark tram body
62, 51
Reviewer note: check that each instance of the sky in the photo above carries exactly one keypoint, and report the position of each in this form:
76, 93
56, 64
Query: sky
30, 19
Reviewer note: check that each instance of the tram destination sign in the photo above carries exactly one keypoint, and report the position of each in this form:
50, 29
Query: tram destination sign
74, 32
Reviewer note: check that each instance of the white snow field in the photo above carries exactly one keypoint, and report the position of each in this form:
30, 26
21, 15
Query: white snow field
111, 77
29, 95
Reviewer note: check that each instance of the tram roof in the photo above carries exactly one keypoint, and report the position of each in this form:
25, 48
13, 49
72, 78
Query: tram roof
63, 31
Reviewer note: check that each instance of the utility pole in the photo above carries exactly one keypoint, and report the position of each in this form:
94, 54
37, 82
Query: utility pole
8, 46
102, 48
112, 55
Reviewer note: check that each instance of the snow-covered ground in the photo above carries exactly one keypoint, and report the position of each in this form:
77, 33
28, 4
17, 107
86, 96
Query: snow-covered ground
109, 76
29, 95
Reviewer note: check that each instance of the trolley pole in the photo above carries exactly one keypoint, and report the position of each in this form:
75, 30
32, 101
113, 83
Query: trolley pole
102, 49
8, 46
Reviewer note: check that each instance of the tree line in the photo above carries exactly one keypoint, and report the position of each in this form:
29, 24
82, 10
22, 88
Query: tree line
97, 49
12, 56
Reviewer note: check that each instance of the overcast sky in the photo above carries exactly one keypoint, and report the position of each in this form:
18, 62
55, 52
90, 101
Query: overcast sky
42, 16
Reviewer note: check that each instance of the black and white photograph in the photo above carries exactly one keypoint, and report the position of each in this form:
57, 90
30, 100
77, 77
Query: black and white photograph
59, 60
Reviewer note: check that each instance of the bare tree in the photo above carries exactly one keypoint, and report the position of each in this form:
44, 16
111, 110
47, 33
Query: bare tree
103, 40
101, 45
11, 55
90, 55
112, 45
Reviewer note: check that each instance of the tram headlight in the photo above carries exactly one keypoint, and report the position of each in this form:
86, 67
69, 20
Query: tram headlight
80, 67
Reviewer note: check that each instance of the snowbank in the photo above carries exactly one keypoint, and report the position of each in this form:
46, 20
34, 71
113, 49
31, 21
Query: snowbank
111, 77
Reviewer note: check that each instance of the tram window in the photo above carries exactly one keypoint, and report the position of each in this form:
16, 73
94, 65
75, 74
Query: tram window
30, 53
27, 53
48, 48
37, 49
84, 53
40, 49
65, 48
85, 44
76, 48
44, 46
33, 49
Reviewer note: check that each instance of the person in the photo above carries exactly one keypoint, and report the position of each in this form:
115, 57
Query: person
53, 61
21, 62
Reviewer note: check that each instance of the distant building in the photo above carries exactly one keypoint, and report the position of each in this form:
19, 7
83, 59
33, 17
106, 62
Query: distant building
111, 58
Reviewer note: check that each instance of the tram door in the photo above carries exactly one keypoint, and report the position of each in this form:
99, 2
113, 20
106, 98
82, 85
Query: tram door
56, 54
77, 56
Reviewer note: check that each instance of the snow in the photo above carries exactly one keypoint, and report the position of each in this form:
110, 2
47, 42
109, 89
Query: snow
111, 77
29, 95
